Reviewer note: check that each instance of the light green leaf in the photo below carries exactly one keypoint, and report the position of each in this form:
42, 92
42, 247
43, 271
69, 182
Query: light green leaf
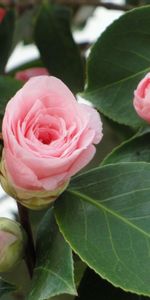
54, 269
105, 217
118, 61
6, 287
58, 50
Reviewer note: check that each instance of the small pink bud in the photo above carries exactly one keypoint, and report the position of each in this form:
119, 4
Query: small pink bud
11, 244
141, 100
2, 14
6, 239
25, 75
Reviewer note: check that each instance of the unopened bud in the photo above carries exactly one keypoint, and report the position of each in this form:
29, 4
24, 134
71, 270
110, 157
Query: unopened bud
26, 74
12, 244
2, 14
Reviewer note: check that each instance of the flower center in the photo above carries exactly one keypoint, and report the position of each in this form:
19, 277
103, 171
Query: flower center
47, 135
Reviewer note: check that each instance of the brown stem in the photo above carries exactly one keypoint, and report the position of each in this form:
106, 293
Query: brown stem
84, 46
95, 3
1, 137
30, 250
18, 296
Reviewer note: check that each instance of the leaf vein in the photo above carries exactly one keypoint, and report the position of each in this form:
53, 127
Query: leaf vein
106, 209
56, 275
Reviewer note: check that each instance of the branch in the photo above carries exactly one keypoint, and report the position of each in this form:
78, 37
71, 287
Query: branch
30, 251
1, 137
95, 3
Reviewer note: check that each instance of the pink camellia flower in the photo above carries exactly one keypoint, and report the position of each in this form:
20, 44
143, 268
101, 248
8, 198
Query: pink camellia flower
25, 75
48, 137
141, 100
2, 14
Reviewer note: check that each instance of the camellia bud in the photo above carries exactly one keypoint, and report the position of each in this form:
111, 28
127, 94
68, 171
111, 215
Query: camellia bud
141, 100
2, 14
12, 244
26, 74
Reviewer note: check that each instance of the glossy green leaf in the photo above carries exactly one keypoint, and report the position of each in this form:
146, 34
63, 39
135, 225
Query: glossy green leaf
105, 215
8, 88
134, 150
118, 61
59, 52
6, 37
6, 287
54, 269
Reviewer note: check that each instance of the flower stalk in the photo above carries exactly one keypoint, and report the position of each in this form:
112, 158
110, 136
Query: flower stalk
30, 256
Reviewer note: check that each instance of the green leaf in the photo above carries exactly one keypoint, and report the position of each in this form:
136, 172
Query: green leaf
62, 297
58, 50
24, 28
79, 270
6, 287
54, 269
134, 150
8, 88
105, 215
118, 61
133, 2
6, 36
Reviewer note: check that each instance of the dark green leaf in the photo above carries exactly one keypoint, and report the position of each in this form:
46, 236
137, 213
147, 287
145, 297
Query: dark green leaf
62, 297
8, 87
133, 2
24, 28
6, 287
135, 149
79, 269
54, 269
118, 61
58, 50
105, 215
6, 36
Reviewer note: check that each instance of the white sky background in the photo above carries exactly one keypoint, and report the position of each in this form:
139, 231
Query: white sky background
100, 19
